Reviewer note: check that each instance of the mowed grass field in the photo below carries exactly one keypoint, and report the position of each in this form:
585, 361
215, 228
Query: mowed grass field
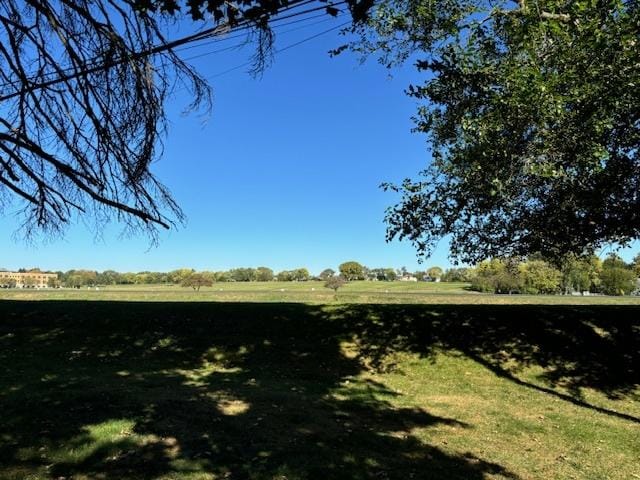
256, 383
312, 292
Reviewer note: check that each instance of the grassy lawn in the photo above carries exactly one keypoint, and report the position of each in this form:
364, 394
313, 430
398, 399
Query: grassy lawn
247, 390
312, 292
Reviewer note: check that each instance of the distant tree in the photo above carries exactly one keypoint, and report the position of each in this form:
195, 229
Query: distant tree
334, 283
507, 282
53, 283
129, 278
326, 273
109, 277
351, 271
243, 274
390, 274
420, 275
539, 277
80, 278
497, 276
179, 275
141, 278
635, 264
222, 277
617, 280
197, 280
575, 276
434, 273
461, 274
285, 276
614, 260
264, 274
154, 278
300, 274
376, 274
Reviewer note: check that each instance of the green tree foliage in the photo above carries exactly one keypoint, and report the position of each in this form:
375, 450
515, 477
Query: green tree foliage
284, 276
264, 274
635, 265
390, 274
381, 274
614, 260
301, 275
327, 273
537, 276
222, 277
617, 278
243, 274
434, 273
497, 276
578, 275
109, 277
617, 281
79, 278
531, 110
297, 275
197, 280
351, 271
459, 275
178, 276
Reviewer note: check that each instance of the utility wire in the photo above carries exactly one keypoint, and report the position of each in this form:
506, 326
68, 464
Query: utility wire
273, 27
242, 44
288, 47
205, 34
219, 30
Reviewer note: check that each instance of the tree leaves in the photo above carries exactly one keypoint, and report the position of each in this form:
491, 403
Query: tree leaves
533, 126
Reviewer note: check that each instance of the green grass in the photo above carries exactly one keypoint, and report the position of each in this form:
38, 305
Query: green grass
213, 390
311, 292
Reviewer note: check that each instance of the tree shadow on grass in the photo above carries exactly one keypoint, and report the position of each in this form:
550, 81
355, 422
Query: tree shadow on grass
595, 347
145, 390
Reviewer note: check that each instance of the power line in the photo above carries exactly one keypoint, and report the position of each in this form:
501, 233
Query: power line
274, 27
288, 47
208, 33
239, 45
202, 35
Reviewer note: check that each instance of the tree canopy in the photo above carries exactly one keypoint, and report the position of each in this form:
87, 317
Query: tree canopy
532, 112
351, 271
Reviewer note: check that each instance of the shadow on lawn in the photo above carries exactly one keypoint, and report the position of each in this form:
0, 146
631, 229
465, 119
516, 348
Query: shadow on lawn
272, 407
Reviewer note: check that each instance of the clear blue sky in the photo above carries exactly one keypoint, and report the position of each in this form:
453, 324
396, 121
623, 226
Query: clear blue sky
285, 172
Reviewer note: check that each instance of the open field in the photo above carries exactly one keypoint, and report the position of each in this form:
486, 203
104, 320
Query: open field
311, 292
249, 390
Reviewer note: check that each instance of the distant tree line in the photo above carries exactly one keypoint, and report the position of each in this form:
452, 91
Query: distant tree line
533, 275
584, 275
188, 276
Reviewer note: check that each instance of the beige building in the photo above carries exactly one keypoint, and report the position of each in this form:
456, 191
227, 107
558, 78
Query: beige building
26, 279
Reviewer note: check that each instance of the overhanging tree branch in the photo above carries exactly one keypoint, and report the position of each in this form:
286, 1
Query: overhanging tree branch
82, 90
